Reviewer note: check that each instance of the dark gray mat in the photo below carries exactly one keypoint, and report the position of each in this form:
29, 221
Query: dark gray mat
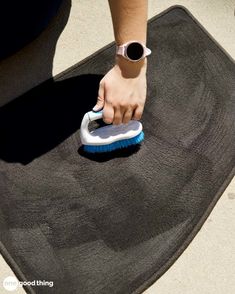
115, 223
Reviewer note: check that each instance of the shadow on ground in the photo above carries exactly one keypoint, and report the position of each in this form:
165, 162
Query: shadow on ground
32, 64
40, 119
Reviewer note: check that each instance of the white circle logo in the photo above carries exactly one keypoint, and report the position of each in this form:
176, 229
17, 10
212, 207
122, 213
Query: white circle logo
10, 283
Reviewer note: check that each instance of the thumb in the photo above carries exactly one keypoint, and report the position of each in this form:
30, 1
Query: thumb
100, 100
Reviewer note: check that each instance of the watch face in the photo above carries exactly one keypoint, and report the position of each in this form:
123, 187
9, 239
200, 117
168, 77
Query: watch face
134, 51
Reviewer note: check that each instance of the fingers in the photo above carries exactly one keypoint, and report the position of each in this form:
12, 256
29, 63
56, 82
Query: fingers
116, 111
138, 113
127, 115
118, 115
108, 113
100, 100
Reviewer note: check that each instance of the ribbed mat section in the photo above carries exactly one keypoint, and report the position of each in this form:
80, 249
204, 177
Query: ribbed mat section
113, 224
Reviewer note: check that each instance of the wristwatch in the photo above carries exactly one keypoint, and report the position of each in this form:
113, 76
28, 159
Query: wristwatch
133, 51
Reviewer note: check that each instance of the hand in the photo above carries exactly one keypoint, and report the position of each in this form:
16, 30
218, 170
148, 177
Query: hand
122, 92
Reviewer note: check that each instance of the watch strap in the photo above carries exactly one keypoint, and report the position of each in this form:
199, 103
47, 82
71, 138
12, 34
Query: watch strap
147, 51
120, 50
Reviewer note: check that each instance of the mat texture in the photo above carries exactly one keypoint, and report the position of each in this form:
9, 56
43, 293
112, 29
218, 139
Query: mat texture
113, 224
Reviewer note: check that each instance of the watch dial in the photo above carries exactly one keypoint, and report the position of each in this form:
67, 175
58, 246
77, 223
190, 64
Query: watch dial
135, 51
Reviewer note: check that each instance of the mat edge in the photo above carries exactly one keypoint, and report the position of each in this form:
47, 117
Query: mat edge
205, 31
190, 237
167, 10
15, 268
13, 265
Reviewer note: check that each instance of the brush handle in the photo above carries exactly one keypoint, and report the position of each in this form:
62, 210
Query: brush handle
94, 115
108, 134
88, 117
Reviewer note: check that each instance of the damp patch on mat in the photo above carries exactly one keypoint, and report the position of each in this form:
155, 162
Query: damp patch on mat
115, 223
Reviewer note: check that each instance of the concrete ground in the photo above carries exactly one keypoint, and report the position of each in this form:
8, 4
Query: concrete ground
207, 265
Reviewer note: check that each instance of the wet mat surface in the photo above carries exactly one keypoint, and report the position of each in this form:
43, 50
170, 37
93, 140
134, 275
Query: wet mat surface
115, 223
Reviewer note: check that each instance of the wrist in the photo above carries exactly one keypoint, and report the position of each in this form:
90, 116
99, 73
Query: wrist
129, 68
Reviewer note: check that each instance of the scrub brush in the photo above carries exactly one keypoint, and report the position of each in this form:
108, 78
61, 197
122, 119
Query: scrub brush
109, 137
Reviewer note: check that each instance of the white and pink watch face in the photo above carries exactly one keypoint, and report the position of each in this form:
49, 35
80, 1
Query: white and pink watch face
134, 51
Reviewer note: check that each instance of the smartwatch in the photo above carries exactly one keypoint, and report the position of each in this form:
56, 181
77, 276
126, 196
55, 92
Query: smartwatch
133, 51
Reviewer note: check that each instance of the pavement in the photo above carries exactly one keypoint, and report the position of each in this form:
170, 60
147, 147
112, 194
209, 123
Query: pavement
207, 264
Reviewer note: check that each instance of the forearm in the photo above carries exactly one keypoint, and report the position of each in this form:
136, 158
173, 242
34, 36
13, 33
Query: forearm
129, 20
122, 91
129, 23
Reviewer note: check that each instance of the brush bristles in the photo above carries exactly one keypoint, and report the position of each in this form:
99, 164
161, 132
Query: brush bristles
115, 145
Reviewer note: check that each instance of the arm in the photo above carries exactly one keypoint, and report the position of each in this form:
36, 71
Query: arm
129, 20
122, 91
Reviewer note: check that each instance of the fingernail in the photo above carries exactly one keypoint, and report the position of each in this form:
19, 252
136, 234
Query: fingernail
95, 108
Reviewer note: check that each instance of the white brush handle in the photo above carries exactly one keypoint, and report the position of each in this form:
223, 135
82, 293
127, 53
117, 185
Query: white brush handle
109, 133
88, 117
95, 115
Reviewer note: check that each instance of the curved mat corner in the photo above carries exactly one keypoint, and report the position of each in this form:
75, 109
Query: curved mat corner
115, 223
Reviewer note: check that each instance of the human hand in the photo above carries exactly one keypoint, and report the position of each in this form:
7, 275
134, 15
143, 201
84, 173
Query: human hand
122, 92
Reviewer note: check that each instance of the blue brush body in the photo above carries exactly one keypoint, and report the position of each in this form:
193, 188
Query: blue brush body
115, 145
